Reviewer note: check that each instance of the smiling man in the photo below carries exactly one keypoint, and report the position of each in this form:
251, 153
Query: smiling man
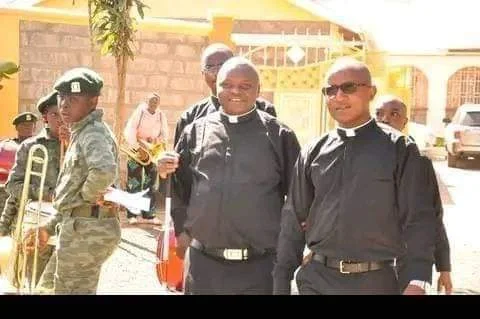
213, 57
233, 175
359, 190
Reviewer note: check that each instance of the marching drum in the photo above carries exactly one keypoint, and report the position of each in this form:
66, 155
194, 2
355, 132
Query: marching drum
8, 149
169, 266
30, 218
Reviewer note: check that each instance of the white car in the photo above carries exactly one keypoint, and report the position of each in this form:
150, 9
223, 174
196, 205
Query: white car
462, 134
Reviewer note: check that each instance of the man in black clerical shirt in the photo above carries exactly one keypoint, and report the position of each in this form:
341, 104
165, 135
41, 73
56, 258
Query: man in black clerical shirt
392, 111
234, 168
359, 193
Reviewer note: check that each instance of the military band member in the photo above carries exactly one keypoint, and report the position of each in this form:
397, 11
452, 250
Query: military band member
361, 192
25, 125
392, 111
213, 57
89, 230
233, 175
50, 138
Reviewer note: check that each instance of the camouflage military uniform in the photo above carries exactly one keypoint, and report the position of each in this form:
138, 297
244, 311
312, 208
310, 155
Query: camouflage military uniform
15, 182
85, 242
3, 197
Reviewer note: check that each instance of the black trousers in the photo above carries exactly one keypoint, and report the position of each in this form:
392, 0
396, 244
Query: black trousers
314, 278
211, 276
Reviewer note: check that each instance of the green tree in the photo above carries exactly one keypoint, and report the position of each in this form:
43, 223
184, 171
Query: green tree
7, 68
113, 28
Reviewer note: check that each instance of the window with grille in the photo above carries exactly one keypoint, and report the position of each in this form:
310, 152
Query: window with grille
463, 87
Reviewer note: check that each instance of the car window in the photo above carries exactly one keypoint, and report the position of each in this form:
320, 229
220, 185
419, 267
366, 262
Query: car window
471, 119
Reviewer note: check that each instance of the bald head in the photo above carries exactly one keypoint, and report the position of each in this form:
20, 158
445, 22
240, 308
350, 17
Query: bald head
213, 57
239, 64
392, 111
216, 49
350, 65
238, 86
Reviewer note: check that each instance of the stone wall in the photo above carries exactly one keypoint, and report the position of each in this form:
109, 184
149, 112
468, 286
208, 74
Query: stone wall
166, 63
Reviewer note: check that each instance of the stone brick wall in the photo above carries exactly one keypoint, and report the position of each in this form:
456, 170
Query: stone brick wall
166, 63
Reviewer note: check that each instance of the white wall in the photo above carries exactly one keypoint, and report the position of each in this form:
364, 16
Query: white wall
438, 69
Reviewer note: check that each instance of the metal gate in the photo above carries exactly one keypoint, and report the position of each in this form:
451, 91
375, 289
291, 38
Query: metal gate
292, 70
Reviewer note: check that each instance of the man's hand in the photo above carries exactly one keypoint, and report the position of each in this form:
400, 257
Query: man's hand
104, 203
445, 280
412, 290
64, 134
167, 163
307, 258
29, 239
183, 241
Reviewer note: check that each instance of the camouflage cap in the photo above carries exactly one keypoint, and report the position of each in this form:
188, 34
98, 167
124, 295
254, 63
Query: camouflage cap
24, 117
46, 101
78, 81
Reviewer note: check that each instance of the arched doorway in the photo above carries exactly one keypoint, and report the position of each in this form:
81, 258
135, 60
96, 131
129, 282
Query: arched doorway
419, 108
463, 87
414, 85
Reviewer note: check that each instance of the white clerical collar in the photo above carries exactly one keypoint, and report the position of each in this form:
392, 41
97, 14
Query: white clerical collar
351, 131
236, 118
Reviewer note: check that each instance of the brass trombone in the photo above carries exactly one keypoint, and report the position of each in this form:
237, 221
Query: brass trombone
18, 261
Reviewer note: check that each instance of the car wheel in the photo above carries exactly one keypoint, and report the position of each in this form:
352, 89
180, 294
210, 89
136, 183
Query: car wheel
452, 160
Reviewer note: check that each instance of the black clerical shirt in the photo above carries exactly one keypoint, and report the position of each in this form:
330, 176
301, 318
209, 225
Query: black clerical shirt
363, 197
233, 177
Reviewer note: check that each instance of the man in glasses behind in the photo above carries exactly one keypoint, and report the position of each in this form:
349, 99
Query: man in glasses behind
213, 57
360, 192
392, 111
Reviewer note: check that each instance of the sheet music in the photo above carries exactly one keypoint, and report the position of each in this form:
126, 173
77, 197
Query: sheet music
46, 207
134, 202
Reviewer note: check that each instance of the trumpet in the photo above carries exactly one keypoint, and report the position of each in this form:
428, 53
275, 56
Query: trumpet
19, 258
146, 153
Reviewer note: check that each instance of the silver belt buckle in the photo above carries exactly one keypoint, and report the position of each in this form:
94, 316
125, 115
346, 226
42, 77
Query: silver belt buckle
234, 254
341, 267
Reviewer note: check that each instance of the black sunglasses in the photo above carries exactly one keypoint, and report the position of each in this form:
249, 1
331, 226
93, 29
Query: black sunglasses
347, 88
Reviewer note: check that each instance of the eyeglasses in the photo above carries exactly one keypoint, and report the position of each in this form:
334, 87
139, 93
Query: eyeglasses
347, 88
210, 68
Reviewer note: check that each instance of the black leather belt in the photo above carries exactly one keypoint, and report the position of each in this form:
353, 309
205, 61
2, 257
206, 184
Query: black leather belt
231, 254
94, 211
347, 266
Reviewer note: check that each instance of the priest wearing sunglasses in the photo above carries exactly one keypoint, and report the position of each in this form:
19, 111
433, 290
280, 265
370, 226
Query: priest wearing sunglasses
358, 201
